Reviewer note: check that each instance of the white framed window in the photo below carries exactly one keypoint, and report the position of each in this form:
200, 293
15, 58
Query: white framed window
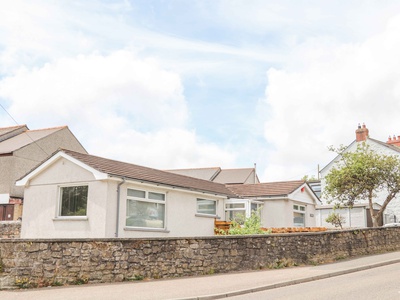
299, 215
238, 210
73, 201
145, 209
206, 207
235, 211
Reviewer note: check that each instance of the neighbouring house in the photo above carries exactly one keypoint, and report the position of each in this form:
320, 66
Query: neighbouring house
76, 195
284, 204
225, 176
21, 150
359, 216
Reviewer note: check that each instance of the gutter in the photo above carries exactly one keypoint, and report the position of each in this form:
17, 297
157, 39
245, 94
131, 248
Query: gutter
118, 205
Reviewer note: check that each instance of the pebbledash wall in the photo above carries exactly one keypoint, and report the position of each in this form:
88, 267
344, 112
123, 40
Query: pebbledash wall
44, 262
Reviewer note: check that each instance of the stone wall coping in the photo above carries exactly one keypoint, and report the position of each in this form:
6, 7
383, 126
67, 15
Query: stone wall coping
67, 240
10, 222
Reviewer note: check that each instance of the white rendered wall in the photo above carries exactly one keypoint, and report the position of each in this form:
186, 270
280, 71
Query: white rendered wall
355, 217
41, 204
181, 217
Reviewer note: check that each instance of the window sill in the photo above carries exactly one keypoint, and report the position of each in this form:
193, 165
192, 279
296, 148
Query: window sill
208, 216
71, 219
146, 229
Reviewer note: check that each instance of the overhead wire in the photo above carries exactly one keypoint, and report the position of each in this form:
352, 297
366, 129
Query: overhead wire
24, 132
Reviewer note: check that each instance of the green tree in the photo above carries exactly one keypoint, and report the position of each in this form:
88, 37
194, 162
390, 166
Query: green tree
309, 178
362, 175
335, 219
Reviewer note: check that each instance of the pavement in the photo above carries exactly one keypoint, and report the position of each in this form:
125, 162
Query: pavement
207, 287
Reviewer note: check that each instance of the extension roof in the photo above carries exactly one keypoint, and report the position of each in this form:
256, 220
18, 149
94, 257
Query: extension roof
269, 189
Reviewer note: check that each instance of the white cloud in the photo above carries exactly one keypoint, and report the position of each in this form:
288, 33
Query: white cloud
88, 87
163, 149
320, 102
86, 64
117, 105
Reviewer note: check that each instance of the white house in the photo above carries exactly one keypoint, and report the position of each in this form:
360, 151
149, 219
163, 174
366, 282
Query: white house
77, 195
359, 216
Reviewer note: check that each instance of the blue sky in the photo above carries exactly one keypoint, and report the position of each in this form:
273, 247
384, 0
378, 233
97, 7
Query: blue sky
183, 84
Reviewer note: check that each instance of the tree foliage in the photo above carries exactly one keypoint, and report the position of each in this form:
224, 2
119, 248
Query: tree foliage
309, 178
335, 219
362, 175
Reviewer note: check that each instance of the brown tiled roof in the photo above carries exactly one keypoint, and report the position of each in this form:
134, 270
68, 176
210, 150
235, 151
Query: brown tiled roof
282, 188
149, 175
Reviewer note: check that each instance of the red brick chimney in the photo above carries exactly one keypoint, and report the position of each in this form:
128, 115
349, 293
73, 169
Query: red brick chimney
395, 141
362, 133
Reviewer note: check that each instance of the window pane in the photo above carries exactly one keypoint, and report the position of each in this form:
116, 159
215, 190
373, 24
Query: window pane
254, 206
237, 215
298, 219
74, 200
136, 193
302, 208
234, 205
296, 207
206, 207
145, 214
156, 196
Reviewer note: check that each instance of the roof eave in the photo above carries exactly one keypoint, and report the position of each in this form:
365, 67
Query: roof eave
24, 181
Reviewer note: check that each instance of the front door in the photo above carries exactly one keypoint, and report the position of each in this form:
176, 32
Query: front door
6, 212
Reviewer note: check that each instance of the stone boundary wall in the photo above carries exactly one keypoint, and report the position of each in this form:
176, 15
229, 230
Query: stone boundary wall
42, 262
10, 229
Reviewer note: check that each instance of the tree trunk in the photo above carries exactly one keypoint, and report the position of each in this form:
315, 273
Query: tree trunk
375, 218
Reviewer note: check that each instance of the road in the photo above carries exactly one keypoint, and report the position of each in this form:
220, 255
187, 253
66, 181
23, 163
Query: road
379, 283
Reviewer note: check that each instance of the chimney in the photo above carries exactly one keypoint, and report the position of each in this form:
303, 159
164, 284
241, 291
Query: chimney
395, 141
362, 133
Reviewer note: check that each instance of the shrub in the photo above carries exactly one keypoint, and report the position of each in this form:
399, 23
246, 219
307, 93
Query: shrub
250, 225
